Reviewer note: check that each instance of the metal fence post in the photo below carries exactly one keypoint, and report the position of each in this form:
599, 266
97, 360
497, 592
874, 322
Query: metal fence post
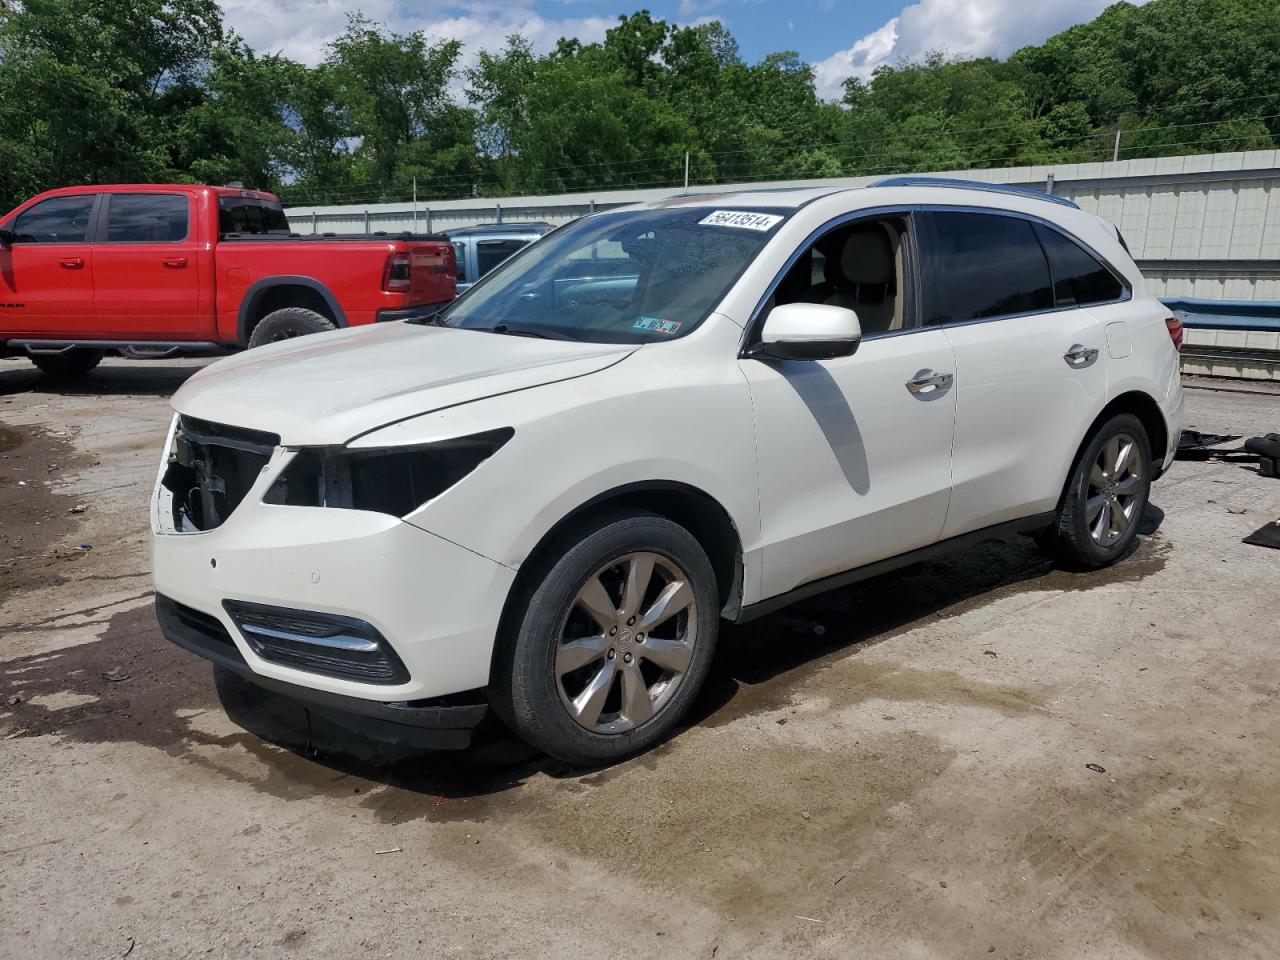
366, 223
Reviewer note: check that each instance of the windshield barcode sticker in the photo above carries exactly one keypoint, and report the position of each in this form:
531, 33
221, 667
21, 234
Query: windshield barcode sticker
741, 219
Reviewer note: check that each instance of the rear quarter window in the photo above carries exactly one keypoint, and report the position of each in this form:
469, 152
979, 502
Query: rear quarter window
1079, 278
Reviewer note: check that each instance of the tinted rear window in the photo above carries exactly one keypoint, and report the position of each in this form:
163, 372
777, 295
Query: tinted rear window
1078, 277
985, 265
146, 218
251, 217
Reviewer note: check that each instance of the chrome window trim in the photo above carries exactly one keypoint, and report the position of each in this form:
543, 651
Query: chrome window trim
919, 270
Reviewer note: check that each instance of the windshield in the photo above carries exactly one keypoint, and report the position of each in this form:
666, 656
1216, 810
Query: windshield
633, 277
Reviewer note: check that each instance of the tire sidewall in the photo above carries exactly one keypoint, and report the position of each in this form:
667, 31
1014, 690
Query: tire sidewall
1094, 553
302, 321
534, 706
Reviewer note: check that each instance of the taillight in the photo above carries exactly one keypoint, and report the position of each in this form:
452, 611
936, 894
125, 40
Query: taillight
396, 275
1175, 330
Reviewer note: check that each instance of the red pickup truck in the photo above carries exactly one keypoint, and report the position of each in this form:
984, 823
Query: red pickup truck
154, 270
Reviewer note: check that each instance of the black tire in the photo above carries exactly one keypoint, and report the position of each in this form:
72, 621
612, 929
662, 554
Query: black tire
526, 691
1070, 540
71, 365
287, 323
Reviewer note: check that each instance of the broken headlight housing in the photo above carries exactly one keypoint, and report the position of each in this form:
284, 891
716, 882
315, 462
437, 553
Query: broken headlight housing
395, 480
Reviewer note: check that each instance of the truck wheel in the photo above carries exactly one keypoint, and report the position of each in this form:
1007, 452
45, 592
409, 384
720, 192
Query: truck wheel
287, 323
71, 365
1105, 497
614, 642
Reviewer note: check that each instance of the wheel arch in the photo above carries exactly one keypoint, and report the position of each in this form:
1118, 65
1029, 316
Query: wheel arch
1147, 410
273, 293
1143, 406
695, 510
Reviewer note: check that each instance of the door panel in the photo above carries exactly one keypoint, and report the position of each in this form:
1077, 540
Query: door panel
854, 466
46, 276
1021, 406
146, 277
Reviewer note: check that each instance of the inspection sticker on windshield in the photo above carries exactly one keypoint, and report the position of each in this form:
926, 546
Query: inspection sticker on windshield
656, 325
741, 219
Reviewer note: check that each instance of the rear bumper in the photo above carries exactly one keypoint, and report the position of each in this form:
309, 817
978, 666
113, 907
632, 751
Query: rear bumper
443, 723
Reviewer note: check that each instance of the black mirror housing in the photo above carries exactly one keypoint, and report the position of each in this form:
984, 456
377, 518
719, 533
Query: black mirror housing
7, 238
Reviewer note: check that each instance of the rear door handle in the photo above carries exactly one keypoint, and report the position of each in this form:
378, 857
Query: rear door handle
928, 383
177, 263
72, 263
1080, 356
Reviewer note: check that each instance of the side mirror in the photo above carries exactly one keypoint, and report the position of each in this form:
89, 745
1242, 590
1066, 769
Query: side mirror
7, 237
808, 331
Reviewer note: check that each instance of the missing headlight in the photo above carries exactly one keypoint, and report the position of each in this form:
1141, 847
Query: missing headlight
394, 481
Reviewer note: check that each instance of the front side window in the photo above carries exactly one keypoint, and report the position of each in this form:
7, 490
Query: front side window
859, 265
252, 218
146, 218
637, 276
1078, 278
985, 265
56, 220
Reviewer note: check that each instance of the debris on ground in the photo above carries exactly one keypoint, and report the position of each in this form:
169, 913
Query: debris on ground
1267, 536
1095, 767
990, 653
1267, 450
388, 850
115, 675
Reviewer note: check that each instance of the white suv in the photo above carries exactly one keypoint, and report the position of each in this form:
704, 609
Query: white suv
654, 420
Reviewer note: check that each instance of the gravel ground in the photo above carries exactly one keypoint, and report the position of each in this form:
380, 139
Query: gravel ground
897, 769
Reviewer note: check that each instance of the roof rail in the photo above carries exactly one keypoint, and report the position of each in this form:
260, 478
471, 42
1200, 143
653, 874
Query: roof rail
975, 185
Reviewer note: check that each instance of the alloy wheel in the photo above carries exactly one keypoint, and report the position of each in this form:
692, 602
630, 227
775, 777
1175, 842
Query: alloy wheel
1114, 490
626, 643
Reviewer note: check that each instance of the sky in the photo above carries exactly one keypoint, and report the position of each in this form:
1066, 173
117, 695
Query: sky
841, 38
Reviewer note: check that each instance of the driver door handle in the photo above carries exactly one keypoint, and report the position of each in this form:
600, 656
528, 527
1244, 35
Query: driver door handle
1080, 356
928, 383
175, 263
72, 263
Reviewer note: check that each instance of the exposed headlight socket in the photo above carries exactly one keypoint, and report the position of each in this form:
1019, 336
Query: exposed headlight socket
394, 481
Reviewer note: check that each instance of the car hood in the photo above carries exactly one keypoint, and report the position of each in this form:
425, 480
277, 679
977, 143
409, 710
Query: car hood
329, 388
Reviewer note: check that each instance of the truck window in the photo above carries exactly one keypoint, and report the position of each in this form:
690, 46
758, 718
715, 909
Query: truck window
490, 253
251, 217
460, 254
146, 218
56, 220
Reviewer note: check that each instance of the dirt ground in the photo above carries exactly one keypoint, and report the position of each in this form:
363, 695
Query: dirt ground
895, 770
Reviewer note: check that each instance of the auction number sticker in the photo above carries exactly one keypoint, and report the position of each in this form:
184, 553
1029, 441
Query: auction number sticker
742, 219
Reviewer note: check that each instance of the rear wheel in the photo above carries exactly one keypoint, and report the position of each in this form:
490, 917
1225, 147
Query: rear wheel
287, 323
1105, 497
71, 365
614, 643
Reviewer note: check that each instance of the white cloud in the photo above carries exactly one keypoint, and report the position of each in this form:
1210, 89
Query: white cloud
858, 61
301, 29
975, 28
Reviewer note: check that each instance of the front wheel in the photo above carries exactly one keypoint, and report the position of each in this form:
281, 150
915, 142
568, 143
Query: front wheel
1105, 498
614, 643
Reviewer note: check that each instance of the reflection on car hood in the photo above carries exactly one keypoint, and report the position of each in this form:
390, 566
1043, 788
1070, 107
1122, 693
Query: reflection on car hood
328, 388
